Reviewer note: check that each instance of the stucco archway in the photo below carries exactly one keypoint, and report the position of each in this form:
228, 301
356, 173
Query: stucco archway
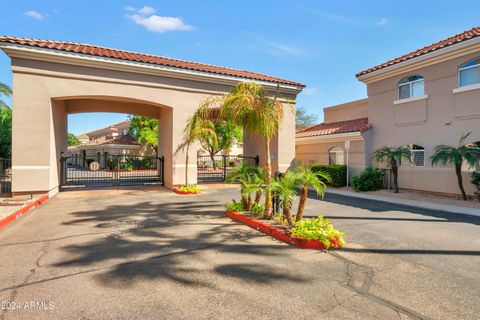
52, 79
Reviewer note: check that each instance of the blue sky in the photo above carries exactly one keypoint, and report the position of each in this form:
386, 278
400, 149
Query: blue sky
319, 43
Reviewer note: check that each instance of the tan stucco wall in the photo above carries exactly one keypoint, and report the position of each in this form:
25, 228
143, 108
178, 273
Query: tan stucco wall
318, 152
45, 92
347, 111
440, 119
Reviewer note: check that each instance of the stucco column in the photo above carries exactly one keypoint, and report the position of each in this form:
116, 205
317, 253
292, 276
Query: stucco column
282, 146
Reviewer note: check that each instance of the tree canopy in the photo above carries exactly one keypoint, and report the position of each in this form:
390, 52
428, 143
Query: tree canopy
144, 130
227, 134
5, 132
303, 119
72, 140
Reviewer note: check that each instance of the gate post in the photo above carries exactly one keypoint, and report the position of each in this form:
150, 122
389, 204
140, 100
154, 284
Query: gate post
62, 171
224, 167
160, 170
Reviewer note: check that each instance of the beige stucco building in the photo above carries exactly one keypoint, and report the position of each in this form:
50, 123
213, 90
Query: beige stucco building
52, 79
425, 98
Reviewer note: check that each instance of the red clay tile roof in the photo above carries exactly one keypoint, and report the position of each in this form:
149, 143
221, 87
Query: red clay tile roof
118, 140
142, 57
466, 35
110, 126
324, 129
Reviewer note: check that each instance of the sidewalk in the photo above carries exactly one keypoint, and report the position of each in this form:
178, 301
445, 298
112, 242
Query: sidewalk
406, 202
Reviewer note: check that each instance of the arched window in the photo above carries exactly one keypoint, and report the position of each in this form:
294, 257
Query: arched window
417, 155
336, 156
469, 73
412, 86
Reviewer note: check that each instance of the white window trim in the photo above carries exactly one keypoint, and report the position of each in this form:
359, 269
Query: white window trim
410, 84
471, 87
466, 68
412, 99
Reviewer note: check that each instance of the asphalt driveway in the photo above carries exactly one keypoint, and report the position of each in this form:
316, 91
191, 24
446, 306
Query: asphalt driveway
157, 255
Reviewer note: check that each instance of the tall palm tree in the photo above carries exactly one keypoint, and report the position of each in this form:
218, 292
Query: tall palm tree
198, 125
392, 156
285, 190
306, 177
6, 91
250, 106
464, 152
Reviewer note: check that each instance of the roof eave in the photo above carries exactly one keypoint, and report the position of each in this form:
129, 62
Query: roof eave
440, 55
54, 55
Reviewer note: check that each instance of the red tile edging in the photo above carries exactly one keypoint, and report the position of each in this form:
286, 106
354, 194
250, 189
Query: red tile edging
22, 211
275, 232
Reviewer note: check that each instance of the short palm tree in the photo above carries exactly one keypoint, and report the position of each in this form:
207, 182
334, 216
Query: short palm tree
241, 174
250, 106
6, 91
285, 190
198, 125
468, 153
308, 178
392, 156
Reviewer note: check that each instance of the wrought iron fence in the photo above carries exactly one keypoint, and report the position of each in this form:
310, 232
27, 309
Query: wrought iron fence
5, 176
103, 170
216, 168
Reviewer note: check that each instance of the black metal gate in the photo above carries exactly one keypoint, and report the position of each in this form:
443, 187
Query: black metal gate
216, 169
104, 170
5, 176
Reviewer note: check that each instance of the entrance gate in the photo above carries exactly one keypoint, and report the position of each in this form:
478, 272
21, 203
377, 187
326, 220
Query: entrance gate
105, 170
217, 169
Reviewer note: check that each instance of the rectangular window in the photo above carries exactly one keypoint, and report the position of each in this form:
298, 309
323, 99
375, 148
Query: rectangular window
404, 91
469, 76
418, 88
418, 158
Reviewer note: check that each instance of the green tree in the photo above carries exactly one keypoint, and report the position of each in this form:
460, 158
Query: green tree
144, 130
72, 140
303, 119
5, 91
308, 178
392, 156
198, 125
248, 105
5, 132
468, 153
251, 181
226, 135
285, 190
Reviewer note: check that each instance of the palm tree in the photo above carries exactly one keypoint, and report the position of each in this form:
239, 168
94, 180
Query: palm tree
259, 178
240, 174
198, 125
250, 106
392, 156
285, 189
6, 91
464, 152
306, 177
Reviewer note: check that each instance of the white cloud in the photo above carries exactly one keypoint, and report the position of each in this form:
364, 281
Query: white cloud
382, 22
282, 50
34, 15
152, 22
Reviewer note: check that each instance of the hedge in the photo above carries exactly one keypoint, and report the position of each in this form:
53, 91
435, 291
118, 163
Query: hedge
369, 180
338, 173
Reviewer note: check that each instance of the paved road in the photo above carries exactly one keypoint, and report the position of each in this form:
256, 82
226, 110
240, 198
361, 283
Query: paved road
156, 255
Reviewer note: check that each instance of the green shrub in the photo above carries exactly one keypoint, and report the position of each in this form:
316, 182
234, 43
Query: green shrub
234, 206
476, 183
318, 229
369, 180
257, 209
338, 173
190, 188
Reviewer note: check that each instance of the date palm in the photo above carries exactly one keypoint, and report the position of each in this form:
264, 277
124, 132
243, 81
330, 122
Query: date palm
250, 106
198, 125
240, 174
392, 156
308, 178
468, 153
285, 190
6, 91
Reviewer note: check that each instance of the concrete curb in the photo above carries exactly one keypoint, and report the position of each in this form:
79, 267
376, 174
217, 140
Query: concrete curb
22, 211
410, 203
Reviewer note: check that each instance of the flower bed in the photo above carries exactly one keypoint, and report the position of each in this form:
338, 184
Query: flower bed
186, 190
279, 233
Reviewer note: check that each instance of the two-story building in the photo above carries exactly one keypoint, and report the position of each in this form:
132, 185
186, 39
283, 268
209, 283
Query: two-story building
423, 99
